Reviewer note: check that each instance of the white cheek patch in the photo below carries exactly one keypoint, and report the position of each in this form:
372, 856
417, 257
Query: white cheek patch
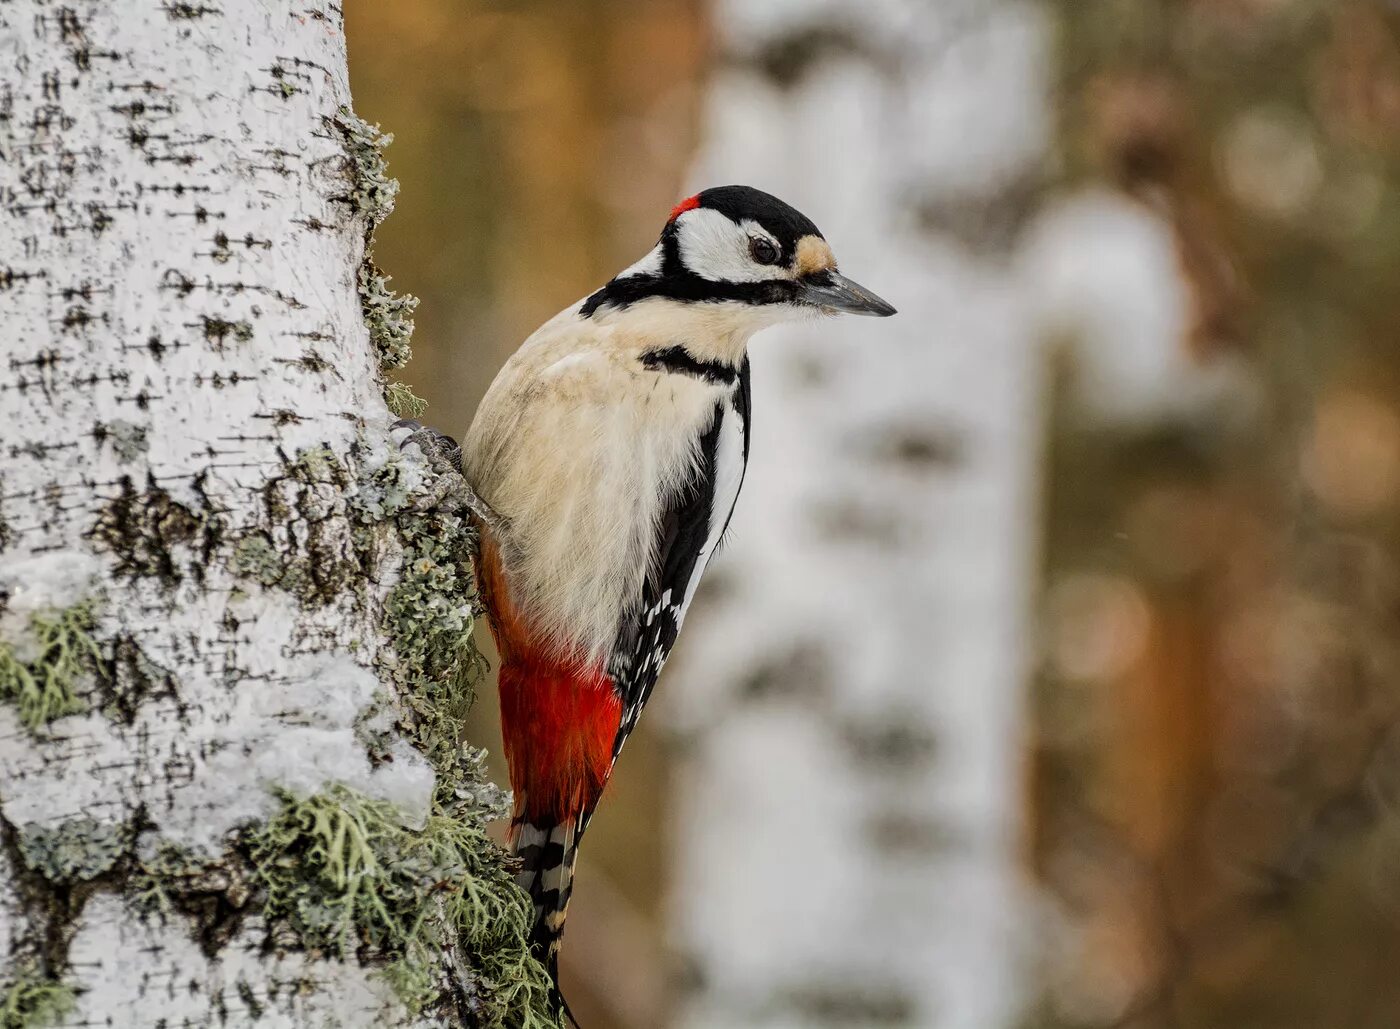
714, 248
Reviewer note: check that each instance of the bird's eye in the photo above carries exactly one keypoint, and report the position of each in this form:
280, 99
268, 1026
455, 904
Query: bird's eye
763, 250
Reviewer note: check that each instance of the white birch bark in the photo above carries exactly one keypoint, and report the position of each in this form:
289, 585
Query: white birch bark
191, 416
847, 825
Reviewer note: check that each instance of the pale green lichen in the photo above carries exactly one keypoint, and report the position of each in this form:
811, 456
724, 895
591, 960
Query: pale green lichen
383, 488
371, 193
428, 617
129, 440
256, 558
31, 1001
403, 401
317, 464
306, 544
340, 869
44, 688
388, 315
434, 664
80, 849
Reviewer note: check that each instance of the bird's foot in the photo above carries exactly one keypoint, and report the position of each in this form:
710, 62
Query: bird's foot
442, 452
449, 489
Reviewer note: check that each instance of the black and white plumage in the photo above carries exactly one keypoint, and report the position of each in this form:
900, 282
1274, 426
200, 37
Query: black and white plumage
611, 448
694, 521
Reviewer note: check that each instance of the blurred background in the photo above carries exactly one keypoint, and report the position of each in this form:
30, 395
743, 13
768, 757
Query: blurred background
1052, 677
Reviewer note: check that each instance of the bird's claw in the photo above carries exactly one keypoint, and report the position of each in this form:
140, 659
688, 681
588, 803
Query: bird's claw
450, 489
443, 453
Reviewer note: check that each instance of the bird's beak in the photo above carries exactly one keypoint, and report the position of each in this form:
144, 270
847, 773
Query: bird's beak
834, 292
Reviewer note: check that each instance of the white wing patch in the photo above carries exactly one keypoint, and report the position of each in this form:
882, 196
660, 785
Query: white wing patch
729, 475
637, 672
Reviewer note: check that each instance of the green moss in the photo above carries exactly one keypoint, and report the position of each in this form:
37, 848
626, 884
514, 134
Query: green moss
31, 1001
341, 871
43, 689
402, 400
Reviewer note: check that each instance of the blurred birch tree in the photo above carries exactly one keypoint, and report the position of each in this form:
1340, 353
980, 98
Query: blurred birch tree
1217, 761
849, 691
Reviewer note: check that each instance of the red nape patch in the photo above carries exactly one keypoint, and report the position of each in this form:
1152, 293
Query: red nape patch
558, 724
688, 204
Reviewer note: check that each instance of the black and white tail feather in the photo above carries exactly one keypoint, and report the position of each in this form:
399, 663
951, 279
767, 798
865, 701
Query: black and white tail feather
548, 855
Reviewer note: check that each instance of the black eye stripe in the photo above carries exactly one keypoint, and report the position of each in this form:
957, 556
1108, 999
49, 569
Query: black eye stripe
763, 251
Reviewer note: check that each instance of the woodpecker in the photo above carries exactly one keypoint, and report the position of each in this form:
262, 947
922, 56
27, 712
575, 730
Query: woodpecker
607, 456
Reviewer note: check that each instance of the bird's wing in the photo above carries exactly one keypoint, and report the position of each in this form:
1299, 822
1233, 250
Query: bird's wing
694, 518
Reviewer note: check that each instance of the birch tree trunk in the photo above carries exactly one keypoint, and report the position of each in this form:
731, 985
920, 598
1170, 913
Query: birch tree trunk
232, 613
850, 687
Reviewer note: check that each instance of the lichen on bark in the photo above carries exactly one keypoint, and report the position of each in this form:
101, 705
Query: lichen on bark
30, 1001
342, 871
199, 453
371, 194
43, 686
339, 869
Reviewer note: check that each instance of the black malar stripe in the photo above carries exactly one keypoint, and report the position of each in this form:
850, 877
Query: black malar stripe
681, 361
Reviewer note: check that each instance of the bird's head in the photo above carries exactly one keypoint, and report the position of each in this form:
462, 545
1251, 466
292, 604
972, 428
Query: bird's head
746, 250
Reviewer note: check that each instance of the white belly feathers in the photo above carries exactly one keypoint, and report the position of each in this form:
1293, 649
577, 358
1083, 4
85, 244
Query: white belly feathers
577, 458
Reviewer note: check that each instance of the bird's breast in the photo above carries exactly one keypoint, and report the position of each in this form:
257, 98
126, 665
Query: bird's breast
582, 480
